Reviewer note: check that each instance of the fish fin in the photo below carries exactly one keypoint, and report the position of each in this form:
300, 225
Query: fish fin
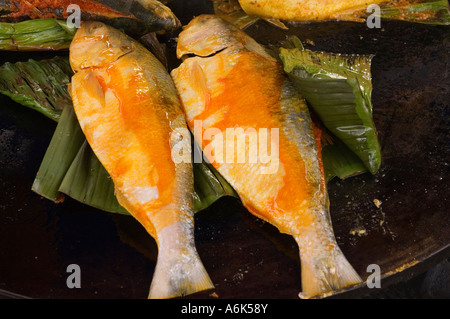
352, 14
179, 270
277, 23
94, 87
325, 276
200, 85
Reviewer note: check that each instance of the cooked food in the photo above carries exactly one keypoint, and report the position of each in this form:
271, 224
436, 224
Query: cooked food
29, 83
306, 10
338, 87
135, 16
246, 12
231, 82
129, 110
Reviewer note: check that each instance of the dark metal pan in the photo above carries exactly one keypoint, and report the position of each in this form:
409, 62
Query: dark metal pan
407, 234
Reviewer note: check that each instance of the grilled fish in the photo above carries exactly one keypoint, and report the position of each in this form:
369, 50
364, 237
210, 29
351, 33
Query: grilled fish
307, 10
232, 83
134, 16
129, 110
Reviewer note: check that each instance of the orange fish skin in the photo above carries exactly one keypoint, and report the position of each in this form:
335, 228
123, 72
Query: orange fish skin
129, 111
242, 86
307, 10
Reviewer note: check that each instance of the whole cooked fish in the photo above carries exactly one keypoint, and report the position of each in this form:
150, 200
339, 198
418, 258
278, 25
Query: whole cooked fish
134, 16
233, 84
307, 10
243, 13
129, 110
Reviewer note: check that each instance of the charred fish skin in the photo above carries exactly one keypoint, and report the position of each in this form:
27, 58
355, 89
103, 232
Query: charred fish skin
242, 86
129, 110
5, 7
152, 12
133, 16
307, 10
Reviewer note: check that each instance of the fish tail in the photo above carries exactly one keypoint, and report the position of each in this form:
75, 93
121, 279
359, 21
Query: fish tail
179, 270
325, 274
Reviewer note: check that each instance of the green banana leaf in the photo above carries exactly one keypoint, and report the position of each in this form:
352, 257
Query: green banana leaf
64, 146
339, 161
40, 85
87, 181
426, 12
209, 184
338, 88
36, 35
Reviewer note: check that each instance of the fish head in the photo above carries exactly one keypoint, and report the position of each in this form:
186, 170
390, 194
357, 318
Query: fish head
209, 34
96, 45
205, 35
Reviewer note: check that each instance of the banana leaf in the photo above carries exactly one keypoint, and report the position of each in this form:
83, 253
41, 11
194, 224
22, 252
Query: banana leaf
36, 35
87, 181
40, 85
338, 88
64, 146
209, 184
426, 12
339, 161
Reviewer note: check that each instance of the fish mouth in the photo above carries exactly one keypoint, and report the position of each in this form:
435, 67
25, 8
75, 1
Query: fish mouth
205, 36
193, 55
109, 61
